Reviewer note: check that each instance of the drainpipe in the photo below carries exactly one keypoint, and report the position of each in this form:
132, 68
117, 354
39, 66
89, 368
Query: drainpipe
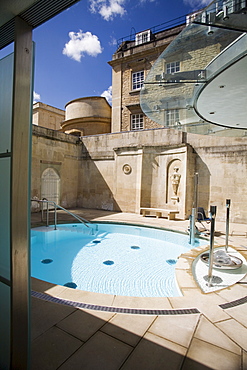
228, 203
211, 250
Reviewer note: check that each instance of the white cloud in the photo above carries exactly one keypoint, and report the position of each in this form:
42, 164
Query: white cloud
108, 9
197, 4
36, 97
113, 41
108, 94
82, 43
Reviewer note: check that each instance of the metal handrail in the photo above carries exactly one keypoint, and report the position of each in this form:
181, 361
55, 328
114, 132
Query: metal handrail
47, 202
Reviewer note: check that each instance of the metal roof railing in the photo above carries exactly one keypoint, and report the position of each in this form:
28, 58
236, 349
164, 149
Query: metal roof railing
155, 29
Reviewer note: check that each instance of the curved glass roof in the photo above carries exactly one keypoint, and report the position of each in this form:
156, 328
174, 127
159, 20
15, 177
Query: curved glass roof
199, 82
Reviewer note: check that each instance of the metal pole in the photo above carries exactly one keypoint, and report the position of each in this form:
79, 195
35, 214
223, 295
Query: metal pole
42, 211
55, 215
196, 177
47, 214
193, 216
192, 227
228, 203
211, 250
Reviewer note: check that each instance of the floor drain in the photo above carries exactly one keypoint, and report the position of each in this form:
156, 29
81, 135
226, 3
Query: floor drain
108, 263
214, 279
135, 247
171, 262
46, 261
71, 285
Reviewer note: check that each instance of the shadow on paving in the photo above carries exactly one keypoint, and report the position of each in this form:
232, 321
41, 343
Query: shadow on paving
64, 337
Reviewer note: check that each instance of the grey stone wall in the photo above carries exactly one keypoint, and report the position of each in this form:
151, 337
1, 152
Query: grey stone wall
123, 171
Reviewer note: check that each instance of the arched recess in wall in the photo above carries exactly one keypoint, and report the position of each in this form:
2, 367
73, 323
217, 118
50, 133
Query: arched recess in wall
50, 185
173, 182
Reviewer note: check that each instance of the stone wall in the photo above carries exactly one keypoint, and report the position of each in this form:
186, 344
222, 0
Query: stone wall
123, 171
220, 162
47, 116
52, 149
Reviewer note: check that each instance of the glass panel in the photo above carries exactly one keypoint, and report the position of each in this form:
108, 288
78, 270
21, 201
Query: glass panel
5, 326
5, 217
199, 49
6, 84
229, 14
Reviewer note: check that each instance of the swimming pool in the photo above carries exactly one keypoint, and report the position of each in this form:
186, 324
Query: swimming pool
109, 258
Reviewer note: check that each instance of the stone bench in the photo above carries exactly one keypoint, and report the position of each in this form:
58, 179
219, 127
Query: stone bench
171, 214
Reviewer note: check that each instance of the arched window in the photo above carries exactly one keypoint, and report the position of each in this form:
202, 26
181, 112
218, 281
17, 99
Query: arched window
50, 185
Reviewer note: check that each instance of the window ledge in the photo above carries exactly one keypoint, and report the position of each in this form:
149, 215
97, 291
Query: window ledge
135, 92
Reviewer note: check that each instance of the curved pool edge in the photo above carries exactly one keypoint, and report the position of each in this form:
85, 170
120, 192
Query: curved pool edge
193, 300
177, 243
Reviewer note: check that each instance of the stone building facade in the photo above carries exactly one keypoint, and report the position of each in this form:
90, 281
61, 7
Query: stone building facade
133, 60
149, 166
87, 116
47, 116
130, 65
126, 171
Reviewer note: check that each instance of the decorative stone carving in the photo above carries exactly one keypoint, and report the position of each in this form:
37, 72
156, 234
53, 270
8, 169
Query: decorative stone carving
175, 180
127, 169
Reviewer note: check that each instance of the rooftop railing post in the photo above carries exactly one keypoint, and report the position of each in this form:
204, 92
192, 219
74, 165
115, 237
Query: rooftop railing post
228, 203
211, 250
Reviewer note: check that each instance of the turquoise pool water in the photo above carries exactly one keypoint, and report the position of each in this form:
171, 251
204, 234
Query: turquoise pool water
108, 258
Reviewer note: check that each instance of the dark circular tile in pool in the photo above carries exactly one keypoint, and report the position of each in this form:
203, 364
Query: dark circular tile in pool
134, 247
70, 285
96, 241
171, 262
108, 262
47, 260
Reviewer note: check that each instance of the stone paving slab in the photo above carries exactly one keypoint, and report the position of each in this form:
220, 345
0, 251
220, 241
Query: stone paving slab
66, 337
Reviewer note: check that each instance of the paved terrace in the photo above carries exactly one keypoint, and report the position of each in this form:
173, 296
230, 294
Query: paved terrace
72, 329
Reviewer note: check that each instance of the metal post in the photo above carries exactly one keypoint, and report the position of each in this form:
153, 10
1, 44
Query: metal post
193, 216
192, 227
228, 203
196, 177
55, 216
47, 214
42, 211
211, 250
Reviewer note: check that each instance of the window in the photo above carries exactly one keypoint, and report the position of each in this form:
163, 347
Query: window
137, 80
142, 37
137, 122
172, 67
171, 117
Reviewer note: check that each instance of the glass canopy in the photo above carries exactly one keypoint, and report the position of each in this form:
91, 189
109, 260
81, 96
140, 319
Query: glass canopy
199, 82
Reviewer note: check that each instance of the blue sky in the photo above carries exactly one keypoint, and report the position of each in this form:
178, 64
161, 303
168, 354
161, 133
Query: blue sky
73, 48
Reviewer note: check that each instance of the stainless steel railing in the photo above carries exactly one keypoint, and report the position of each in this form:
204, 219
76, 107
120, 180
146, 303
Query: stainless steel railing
56, 206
